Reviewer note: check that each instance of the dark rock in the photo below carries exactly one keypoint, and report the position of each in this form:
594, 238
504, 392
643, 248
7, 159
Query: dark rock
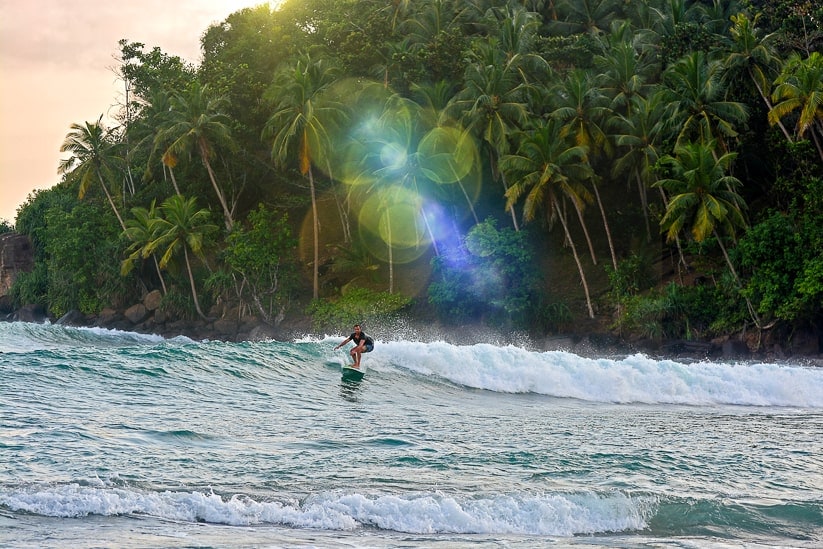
121, 324
179, 326
687, 348
16, 256
735, 349
72, 318
225, 327
6, 305
136, 313
152, 300
108, 317
262, 332
31, 313
805, 342
159, 316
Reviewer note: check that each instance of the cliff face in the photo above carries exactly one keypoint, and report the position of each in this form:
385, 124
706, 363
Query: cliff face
16, 256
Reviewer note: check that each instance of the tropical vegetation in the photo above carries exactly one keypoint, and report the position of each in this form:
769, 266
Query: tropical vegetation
656, 167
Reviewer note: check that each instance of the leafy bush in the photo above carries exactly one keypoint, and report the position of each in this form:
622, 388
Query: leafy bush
633, 275
783, 259
261, 257
31, 288
76, 249
492, 277
358, 305
178, 304
685, 312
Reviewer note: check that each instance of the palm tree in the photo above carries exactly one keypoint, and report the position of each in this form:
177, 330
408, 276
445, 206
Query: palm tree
754, 55
302, 119
394, 162
516, 33
590, 16
93, 158
547, 170
451, 144
146, 131
581, 108
184, 227
432, 17
140, 230
639, 136
197, 123
698, 108
703, 194
704, 198
716, 17
800, 87
625, 74
493, 106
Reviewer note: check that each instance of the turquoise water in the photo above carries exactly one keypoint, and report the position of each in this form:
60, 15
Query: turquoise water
111, 439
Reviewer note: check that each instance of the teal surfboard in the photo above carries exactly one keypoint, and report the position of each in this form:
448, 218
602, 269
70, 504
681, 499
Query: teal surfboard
352, 374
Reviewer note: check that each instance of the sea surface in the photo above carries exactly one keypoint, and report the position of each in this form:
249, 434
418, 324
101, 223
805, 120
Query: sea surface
113, 439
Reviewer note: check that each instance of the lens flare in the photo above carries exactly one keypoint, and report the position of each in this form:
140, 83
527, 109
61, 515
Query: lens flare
394, 216
447, 154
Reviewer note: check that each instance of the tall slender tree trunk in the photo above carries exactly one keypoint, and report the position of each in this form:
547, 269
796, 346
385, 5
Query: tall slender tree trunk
342, 208
468, 201
511, 207
644, 201
749, 306
160, 274
579, 211
562, 217
111, 202
316, 237
431, 233
768, 104
204, 156
391, 254
816, 141
606, 225
193, 286
173, 180
497, 173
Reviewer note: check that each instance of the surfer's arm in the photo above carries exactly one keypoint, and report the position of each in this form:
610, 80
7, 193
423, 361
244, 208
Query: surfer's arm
344, 342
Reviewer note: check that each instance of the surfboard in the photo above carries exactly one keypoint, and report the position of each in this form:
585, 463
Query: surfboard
352, 374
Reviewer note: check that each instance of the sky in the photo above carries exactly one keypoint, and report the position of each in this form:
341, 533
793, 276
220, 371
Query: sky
56, 69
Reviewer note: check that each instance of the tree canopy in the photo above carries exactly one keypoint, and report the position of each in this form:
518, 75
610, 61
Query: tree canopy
356, 131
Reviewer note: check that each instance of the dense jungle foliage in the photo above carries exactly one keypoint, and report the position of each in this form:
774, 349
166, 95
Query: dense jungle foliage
535, 164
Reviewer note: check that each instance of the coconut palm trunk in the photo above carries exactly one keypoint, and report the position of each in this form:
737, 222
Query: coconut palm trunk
193, 285
605, 225
204, 156
111, 202
580, 270
315, 235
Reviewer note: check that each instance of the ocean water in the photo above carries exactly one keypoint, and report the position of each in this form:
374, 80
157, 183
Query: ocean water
112, 439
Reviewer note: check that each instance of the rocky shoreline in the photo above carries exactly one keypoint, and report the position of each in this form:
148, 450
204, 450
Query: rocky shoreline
147, 318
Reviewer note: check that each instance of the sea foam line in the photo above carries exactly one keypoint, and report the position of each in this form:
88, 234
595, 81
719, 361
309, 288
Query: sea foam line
555, 514
635, 378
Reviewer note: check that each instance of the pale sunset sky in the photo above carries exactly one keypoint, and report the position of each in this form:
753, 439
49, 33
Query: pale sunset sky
56, 68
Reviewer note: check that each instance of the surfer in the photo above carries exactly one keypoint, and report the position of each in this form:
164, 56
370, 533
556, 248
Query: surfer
362, 344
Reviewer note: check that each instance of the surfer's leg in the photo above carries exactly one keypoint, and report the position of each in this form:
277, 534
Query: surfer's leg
356, 354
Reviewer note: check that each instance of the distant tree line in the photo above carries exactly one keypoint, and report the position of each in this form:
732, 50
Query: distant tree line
356, 147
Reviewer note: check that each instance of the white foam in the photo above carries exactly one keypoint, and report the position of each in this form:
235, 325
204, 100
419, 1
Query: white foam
636, 378
23, 337
422, 513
